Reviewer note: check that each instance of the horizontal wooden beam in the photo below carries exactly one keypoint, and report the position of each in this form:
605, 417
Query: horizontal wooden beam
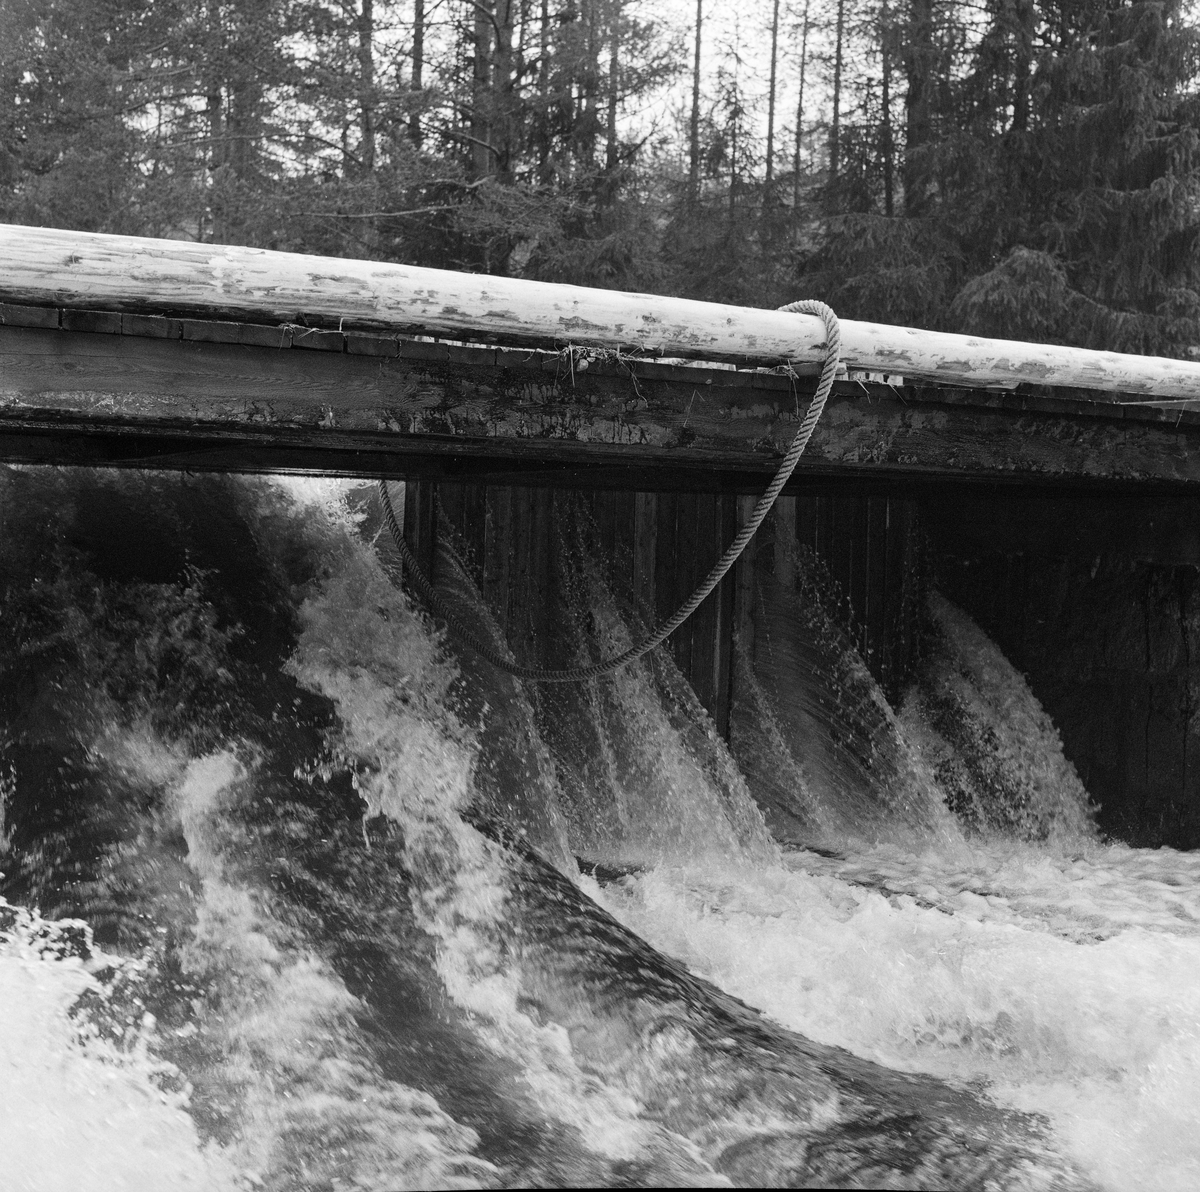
375, 405
45, 266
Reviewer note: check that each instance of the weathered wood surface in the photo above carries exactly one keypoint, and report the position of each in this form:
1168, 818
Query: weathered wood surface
205, 395
48, 267
1097, 603
653, 549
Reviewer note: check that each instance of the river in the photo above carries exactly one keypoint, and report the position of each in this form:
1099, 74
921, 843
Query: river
296, 895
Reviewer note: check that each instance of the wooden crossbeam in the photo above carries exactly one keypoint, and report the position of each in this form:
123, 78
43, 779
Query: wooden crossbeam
46, 266
110, 388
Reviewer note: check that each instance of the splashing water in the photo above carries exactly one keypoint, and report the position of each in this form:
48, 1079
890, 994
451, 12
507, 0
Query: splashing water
313, 917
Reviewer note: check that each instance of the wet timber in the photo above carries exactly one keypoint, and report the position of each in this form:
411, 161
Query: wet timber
103, 387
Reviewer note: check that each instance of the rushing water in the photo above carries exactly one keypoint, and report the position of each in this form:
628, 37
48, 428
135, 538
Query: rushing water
296, 898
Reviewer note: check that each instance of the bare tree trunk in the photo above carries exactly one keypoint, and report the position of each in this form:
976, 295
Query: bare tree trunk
918, 66
835, 127
418, 67
214, 108
771, 97
1023, 58
586, 144
800, 111
544, 51
614, 47
366, 85
522, 58
481, 90
543, 87
694, 137
503, 96
885, 45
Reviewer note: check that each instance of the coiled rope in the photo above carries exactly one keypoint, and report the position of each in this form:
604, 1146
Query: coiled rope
580, 674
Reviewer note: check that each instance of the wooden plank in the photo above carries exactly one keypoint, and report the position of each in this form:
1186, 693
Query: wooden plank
807, 508
841, 550
685, 577
623, 533
665, 556
497, 554
40, 266
645, 549
605, 517
450, 511
783, 517
826, 539
523, 620
28, 316
474, 527
420, 524
95, 322
726, 598
541, 538
910, 588
874, 622
704, 619
62, 383
743, 619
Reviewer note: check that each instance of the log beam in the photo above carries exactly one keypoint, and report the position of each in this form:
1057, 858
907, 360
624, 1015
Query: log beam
136, 275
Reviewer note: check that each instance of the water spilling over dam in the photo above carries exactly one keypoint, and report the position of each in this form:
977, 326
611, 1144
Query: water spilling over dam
297, 895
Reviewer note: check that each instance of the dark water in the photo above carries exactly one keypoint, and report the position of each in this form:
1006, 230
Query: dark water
299, 899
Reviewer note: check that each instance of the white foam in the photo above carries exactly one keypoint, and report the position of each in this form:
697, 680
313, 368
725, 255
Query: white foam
309, 1101
78, 1114
1067, 984
365, 648
1022, 781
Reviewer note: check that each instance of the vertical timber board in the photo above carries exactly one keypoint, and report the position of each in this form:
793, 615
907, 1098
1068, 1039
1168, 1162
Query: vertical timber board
785, 538
605, 518
542, 537
806, 521
685, 566
520, 595
893, 596
656, 547
450, 505
622, 560
826, 537
474, 526
842, 553
454, 511
868, 546
876, 646
743, 572
497, 551
704, 619
664, 556
420, 523
904, 589
645, 552
725, 596
859, 574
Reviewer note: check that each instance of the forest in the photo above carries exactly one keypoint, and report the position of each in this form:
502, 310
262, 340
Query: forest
1022, 168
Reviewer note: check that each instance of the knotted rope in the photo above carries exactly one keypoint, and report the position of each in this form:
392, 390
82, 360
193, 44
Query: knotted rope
580, 674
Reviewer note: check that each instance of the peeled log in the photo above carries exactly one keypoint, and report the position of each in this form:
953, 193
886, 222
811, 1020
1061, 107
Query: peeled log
45, 266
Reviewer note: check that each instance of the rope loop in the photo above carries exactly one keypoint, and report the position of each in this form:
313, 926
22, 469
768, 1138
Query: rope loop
581, 674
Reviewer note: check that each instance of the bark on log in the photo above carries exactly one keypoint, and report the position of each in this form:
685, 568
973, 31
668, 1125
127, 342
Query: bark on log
131, 274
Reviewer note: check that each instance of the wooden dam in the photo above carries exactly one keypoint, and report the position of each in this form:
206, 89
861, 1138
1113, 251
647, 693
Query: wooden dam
1053, 493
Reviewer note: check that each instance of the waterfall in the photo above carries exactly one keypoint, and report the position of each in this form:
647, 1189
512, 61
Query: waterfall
302, 896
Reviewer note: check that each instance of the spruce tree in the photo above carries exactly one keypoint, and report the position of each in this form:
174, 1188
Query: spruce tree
1087, 230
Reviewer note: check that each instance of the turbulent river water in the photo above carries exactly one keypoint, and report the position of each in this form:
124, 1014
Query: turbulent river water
295, 896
